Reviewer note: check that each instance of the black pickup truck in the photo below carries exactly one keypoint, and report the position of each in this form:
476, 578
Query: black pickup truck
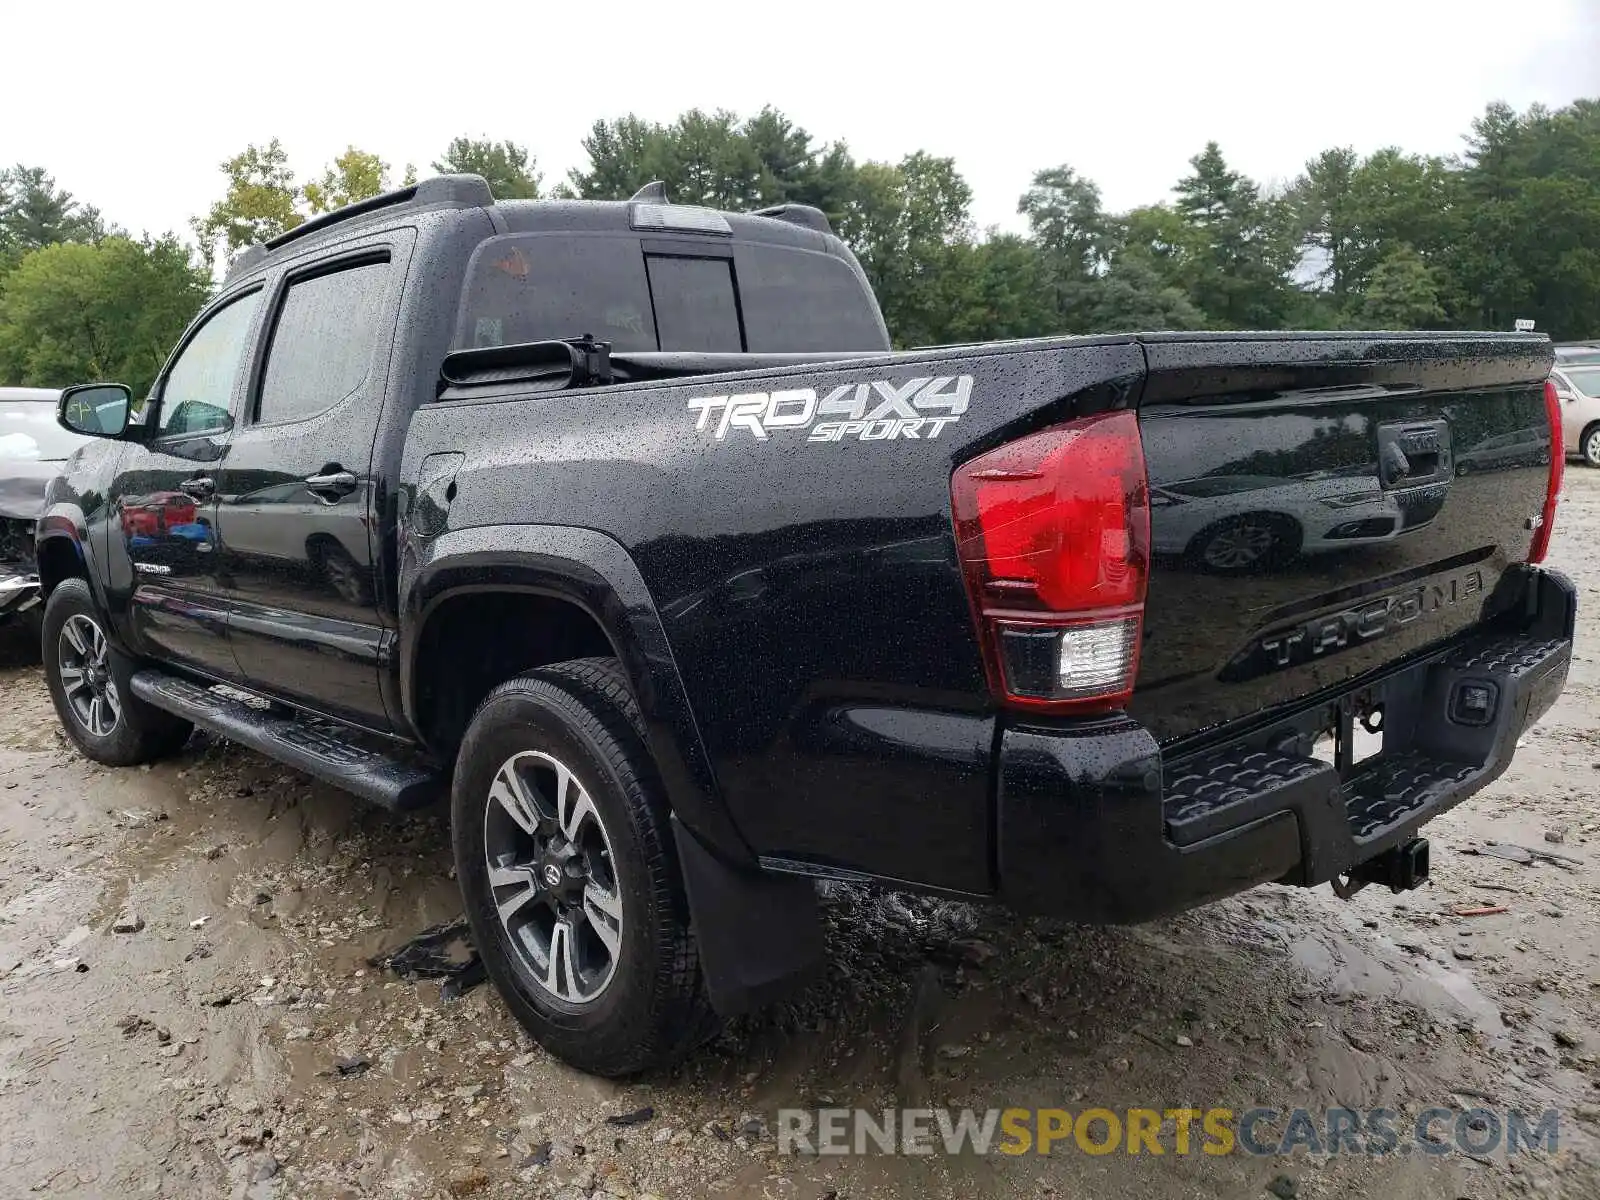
622, 524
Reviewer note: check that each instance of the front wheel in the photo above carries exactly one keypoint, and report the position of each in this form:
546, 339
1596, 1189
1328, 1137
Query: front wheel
569, 874
90, 686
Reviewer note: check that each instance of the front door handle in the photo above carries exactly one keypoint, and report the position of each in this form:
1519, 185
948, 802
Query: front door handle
330, 485
201, 487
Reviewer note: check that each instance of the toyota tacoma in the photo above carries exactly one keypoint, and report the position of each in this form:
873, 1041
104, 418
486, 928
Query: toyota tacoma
622, 525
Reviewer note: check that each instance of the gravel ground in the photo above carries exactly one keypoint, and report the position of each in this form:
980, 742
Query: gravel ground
187, 1006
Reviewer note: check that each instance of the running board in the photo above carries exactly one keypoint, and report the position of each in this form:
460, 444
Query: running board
331, 752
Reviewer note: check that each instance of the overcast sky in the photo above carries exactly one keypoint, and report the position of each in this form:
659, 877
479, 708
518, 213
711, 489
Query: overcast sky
133, 105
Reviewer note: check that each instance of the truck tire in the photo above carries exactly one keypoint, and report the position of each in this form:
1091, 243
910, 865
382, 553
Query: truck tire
89, 685
569, 873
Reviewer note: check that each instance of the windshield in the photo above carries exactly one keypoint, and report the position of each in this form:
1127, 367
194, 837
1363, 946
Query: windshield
28, 430
1585, 379
1577, 354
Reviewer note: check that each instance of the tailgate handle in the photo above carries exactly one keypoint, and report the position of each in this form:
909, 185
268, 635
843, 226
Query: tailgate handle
1411, 453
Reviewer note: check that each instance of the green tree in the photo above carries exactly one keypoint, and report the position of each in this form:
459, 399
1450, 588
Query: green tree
1159, 238
909, 226
1325, 209
1530, 245
354, 175
259, 203
1408, 198
1073, 237
994, 288
1244, 245
715, 159
702, 158
1354, 212
510, 170
74, 312
623, 153
1132, 296
34, 212
1401, 293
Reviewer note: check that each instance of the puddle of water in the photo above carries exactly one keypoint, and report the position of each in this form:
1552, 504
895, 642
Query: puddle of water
1363, 962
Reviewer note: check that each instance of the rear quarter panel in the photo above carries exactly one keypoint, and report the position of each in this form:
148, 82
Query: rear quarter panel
808, 589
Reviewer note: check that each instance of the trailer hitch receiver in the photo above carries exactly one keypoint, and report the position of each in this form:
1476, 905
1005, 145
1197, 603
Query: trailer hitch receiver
1401, 869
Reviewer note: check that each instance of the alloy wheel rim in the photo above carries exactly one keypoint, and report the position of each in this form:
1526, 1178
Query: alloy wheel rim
1238, 545
552, 877
83, 662
1591, 449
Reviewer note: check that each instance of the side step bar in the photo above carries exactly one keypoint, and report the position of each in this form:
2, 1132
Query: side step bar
331, 752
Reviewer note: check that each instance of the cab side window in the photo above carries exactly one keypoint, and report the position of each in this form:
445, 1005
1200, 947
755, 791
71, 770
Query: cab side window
198, 392
323, 342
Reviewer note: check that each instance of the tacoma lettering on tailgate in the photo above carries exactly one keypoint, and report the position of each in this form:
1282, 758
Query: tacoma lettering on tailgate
1290, 645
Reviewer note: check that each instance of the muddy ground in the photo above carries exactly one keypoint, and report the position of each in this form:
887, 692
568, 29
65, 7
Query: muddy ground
201, 1054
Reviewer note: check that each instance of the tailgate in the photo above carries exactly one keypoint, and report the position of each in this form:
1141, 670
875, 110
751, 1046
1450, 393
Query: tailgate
1322, 505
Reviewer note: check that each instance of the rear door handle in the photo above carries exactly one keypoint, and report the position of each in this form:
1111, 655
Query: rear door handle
332, 484
201, 487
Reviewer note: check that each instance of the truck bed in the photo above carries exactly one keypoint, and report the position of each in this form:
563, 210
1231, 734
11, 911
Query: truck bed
807, 580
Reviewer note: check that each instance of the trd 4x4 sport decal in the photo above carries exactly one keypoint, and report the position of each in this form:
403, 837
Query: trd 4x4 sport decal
879, 411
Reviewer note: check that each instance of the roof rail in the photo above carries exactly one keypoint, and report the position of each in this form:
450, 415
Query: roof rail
245, 259
442, 191
797, 214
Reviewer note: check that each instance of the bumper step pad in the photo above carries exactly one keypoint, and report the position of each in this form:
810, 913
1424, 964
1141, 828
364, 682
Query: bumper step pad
334, 753
1434, 756
1397, 786
1208, 794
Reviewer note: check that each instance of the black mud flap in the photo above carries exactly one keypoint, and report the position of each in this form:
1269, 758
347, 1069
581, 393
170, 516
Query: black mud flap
759, 934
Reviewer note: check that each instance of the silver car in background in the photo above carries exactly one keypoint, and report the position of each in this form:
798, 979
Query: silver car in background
32, 449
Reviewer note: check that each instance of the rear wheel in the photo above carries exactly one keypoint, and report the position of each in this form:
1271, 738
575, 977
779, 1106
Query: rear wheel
569, 874
1589, 445
89, 682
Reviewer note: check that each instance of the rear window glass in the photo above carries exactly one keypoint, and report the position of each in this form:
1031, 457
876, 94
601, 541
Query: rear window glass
538, 287
695, 308
535, 288
798, 301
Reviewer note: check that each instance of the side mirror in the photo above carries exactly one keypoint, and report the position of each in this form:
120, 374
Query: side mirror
95, 409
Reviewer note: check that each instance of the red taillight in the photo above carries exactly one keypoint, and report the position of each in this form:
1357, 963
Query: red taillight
1558, 462
1053, 534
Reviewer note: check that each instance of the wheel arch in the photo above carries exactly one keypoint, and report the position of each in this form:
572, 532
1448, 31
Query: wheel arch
59, 556
561, 593
320, 540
